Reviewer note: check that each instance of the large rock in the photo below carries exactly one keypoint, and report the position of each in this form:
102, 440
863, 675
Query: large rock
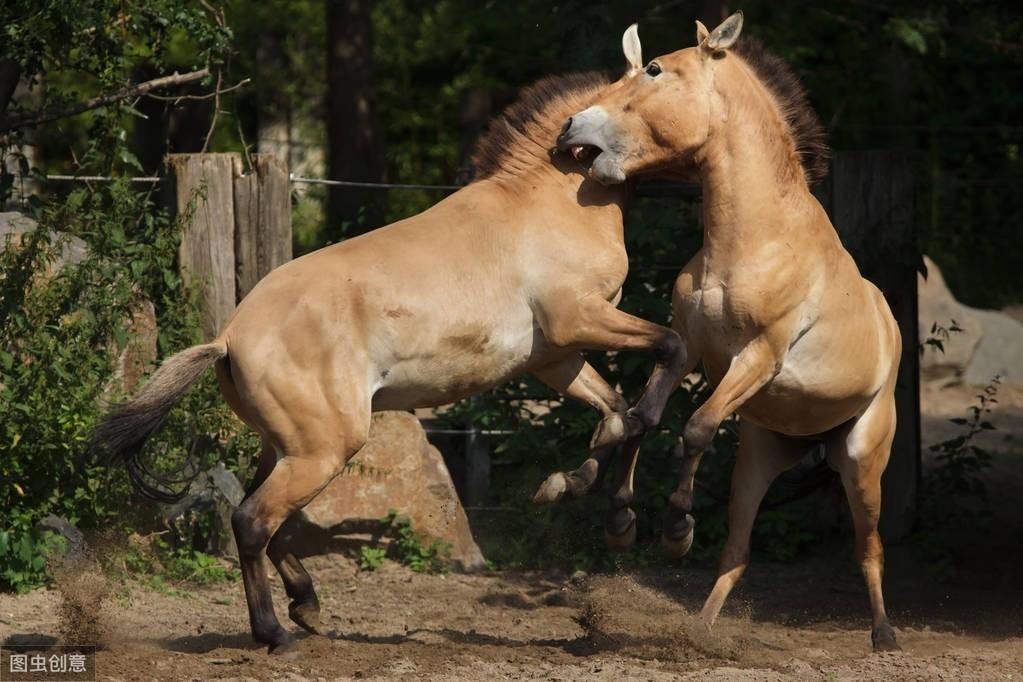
398, 469
1000, 351
990, 343
937, 305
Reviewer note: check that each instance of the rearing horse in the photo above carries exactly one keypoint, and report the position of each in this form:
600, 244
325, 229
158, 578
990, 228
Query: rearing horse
793, 338
515, 273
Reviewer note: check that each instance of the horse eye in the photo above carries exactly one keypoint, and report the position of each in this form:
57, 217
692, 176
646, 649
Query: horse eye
653, 69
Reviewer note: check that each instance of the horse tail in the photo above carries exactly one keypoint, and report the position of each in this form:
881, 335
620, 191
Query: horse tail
121, 434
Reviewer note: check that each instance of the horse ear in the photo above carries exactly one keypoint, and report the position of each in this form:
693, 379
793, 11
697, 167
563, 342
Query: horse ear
725, 35
633, 50
701, 32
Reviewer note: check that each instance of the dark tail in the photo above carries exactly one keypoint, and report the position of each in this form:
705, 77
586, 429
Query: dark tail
123, 432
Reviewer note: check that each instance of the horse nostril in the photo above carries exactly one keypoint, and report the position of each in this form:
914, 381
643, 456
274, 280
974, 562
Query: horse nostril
568, 124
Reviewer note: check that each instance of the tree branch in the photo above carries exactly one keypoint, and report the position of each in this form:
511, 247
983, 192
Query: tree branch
103, 100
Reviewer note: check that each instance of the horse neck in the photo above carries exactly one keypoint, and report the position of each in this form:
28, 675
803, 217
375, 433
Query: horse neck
558, 187
754, 191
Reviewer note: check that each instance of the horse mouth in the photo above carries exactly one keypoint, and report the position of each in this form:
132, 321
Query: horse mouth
585, 154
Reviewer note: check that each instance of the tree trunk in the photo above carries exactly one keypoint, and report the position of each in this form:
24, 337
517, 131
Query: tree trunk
10, 74
354, 137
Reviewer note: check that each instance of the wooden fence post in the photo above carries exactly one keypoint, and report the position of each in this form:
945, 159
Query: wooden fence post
869, 196
202, 185
262, 214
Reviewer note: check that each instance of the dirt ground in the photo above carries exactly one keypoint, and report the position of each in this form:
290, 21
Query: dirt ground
803, 620
806, 620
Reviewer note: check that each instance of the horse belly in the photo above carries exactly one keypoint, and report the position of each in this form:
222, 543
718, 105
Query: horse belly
815, 390
459, 366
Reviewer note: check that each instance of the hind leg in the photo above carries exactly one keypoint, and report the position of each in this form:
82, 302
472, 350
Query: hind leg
576, 378
860, 453
762, 456
304, 609
308, 465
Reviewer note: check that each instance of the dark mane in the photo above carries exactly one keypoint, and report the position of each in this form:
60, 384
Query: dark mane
778, 77
521, 121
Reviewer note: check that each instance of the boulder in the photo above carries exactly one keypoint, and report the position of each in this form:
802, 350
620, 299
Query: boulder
1000, 351
397, 469
937, 305
990, 343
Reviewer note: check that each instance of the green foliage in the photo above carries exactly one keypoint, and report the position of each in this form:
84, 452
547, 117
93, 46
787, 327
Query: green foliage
954, 497
93, 47
956, 480
24, 552
409, 549
939, 336
371, 558
165, 566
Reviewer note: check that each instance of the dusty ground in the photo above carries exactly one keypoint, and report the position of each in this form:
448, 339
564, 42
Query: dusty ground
803, 620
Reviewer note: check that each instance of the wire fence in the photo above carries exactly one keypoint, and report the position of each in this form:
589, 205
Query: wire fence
645, 190
657, 190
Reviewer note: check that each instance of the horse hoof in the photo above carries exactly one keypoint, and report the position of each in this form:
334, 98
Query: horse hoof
621, 542
610, 431
677, 546
306, 615
552, 490
283, 643
883, 639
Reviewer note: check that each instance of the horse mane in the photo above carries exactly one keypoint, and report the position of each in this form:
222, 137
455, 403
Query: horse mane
526, 129
777, 76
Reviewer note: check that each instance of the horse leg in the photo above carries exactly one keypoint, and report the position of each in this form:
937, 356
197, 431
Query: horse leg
594, 323
304, 609
860, 453
762, 456
306, 468
620, 522
750, 370
576, 378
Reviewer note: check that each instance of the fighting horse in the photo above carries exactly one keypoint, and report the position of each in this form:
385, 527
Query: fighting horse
515, 273
791, 336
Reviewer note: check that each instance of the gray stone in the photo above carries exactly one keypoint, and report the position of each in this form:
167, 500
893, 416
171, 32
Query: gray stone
1000, 351
76, 549
73, 249
937, 305
990, 343
227, 484
398, 469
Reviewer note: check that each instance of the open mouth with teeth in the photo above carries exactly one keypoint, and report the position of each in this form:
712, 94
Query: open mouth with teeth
585, 153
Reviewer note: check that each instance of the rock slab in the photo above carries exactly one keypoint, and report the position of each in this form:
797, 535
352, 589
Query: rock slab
397, 469
990, 343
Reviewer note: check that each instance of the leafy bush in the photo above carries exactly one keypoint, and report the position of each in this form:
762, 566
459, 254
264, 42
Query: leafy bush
60, 332
371, 558
410, 551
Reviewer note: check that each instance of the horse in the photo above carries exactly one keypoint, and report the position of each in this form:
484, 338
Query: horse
515, 273
790, 335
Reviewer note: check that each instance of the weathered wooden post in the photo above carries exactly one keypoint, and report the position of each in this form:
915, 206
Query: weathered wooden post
202, 186
262, 214
869, 196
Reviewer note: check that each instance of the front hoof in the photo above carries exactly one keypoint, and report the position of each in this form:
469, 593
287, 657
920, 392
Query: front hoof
306, 615
552, 490
620, 530
883, 638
